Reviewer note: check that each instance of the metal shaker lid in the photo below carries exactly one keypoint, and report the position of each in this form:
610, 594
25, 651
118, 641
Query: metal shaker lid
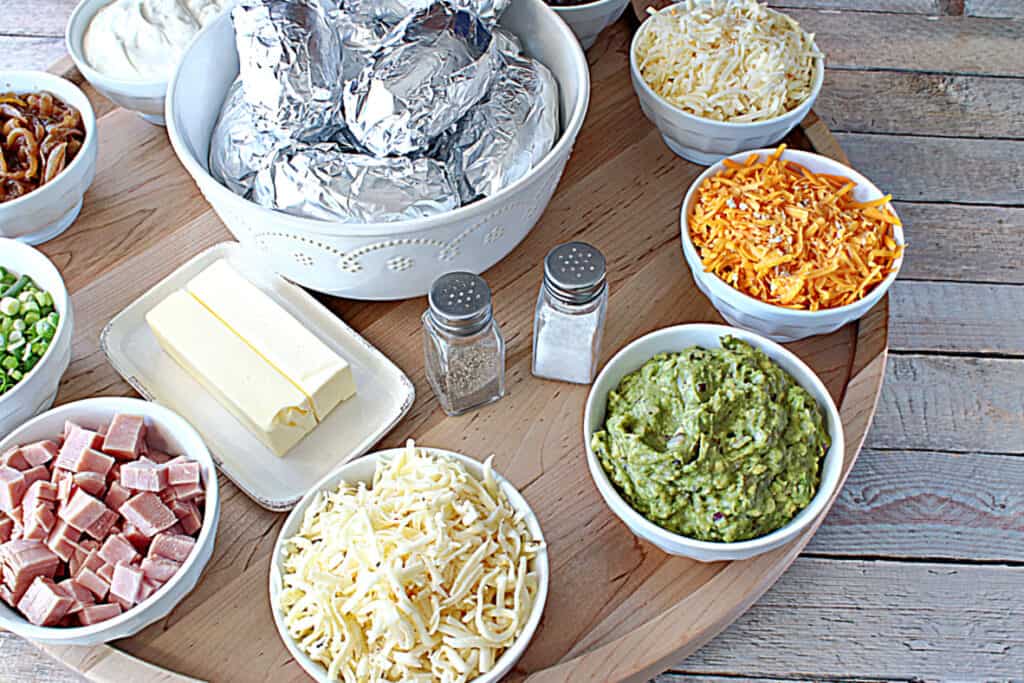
575, 272
460, 303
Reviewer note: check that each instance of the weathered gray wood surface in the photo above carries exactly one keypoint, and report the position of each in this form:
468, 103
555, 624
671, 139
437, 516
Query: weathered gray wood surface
919, 570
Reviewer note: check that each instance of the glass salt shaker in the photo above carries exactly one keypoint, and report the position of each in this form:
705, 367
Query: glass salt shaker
464, 352
569, 320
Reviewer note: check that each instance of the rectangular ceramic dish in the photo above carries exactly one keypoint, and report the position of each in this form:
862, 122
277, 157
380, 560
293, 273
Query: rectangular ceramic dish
384, 394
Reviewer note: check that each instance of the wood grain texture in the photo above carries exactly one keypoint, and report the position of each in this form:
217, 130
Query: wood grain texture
877, 620
933, 169
919, 504
994, 8
36, 18
951, 404
901, 6
922, 104
959, 242
29, 52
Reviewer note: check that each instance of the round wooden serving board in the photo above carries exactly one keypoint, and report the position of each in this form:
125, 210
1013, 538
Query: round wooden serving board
619, 609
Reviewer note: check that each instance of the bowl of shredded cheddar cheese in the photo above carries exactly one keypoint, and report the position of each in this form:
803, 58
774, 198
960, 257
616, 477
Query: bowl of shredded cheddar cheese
722, 76
411, 564
790, 244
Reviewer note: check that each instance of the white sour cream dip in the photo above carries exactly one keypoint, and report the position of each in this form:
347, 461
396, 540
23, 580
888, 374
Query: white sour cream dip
142, 40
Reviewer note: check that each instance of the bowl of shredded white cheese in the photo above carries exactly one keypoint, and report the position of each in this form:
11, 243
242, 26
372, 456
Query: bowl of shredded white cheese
410, 564
723, 76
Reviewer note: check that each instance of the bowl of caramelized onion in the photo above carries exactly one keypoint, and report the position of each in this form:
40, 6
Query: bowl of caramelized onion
47, 154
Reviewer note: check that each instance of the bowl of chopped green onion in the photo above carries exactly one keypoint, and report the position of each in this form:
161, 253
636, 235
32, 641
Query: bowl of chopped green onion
35, 333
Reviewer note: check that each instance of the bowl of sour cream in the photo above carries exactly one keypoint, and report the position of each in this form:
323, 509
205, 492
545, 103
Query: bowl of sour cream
128, 49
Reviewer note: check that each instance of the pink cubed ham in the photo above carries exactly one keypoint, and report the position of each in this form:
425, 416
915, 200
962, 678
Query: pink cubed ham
103, 526
82, 511
94, 614
188, 491
90, 544
96, 584
42, 604
125, 436
39, 493
106, 572
63, 542
159, 457
92, 460
77, 440
182, 470
148, 588
116, 496
39, 523
93, 483
126, 583
160, 569
80, 596
117, 549
23, 560
144, 475
37, 473
172, 546
188, 516
136, 537
40, 452
6, 525
12, 488
14, 458
147, 513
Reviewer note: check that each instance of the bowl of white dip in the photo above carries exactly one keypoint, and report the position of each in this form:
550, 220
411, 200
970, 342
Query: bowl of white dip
127, 49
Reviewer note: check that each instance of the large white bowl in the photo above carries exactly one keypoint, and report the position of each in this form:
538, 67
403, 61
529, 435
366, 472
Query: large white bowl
362, 470
37, 390
145, 97
705, 141
180, 438
378, 260
775, 322
589, 19
676, 339
49, 210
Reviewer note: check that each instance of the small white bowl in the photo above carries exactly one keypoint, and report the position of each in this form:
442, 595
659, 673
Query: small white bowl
589, 19
179, 438
49, 210
362, 470
38, 389
776, 322
145, 97
674, 340
705, 141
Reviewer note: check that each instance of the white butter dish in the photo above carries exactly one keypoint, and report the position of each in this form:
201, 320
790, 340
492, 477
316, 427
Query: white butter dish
384, 394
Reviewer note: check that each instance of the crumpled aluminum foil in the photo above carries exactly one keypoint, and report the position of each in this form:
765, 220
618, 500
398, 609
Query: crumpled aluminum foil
289, 55
241, 143
393, 11
329, 182
429, 71
507, 134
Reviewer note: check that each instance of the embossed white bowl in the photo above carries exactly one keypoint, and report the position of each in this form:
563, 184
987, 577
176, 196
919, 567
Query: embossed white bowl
705, 141
378, 260
775, 322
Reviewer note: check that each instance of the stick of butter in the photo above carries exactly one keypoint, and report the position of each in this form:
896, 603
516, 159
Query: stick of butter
269, 405
281, 340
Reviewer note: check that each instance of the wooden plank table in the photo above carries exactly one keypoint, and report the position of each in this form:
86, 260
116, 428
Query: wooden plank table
918, 572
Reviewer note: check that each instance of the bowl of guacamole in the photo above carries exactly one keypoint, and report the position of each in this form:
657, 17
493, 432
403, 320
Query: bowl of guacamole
712, 442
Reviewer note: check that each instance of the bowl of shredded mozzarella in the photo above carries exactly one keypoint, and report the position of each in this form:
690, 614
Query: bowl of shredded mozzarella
723, 76
409, 564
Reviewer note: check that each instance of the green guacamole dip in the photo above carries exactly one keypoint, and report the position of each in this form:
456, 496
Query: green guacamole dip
713, 444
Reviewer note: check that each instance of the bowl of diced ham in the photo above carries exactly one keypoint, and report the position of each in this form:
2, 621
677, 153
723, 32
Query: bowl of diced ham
108, 512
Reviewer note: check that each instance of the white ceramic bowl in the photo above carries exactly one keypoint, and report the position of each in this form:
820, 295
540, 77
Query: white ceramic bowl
179, 437
144, 97
705, 141
361, 470
378, 260
49, 210
37, 390
679, 338
775, 322
589, 19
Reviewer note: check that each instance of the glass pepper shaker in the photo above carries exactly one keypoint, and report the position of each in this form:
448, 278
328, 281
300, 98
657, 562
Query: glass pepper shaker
569, 319
464, 352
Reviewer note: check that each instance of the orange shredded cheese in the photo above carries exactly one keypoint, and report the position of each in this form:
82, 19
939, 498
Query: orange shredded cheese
789, 237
